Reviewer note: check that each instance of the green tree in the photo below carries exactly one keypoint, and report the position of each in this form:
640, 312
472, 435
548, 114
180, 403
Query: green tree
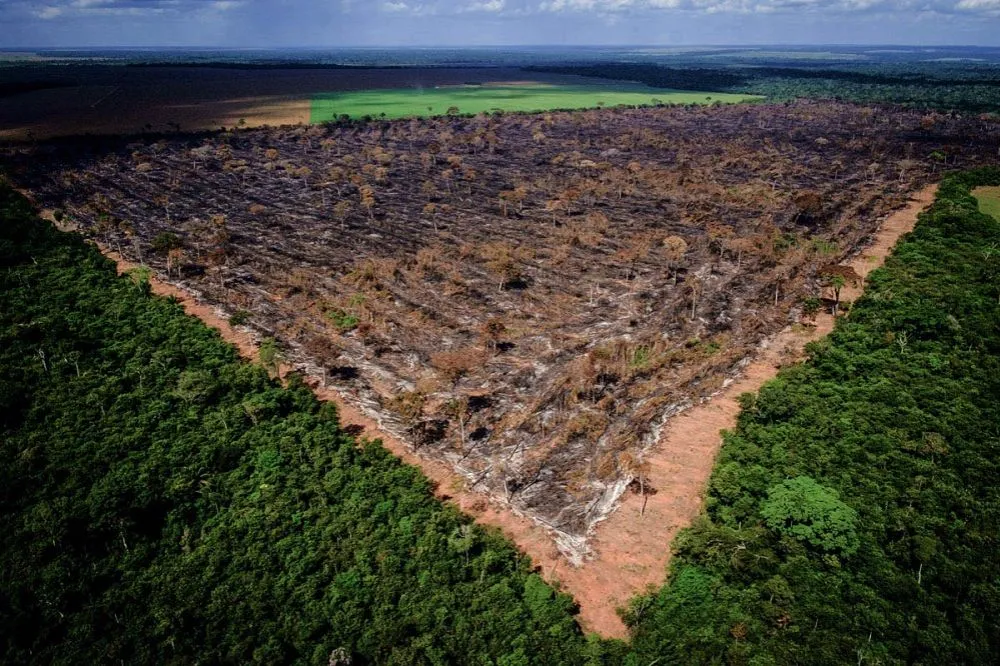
270, 356
806, 511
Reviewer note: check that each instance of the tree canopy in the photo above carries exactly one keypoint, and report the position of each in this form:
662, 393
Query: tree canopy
853, 512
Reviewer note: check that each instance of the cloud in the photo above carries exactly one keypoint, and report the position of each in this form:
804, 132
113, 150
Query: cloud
486, 6
586, 5
495, 22
988, 6
68, 10
770, 6
49, 13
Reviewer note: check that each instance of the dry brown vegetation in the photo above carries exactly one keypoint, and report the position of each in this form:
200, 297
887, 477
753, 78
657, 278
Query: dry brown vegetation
528, 297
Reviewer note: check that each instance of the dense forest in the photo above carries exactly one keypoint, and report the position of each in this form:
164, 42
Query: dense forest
970, 88
853, 515
164, 501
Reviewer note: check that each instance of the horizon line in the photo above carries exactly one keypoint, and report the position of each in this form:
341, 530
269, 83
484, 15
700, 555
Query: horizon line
754, 45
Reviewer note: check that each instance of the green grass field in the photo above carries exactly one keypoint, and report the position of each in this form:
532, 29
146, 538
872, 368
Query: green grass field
409, 102
989, 200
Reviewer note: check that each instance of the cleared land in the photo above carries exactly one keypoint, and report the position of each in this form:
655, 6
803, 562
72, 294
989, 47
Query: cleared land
503, 96
989, 200
628, 550
527, 298
117, 99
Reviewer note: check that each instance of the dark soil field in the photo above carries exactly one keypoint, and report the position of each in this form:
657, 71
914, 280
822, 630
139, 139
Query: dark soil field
527, 297
42, 100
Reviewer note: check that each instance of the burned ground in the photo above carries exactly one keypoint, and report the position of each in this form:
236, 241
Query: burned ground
528, 297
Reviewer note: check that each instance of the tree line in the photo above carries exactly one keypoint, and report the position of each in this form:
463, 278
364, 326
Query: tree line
971, 89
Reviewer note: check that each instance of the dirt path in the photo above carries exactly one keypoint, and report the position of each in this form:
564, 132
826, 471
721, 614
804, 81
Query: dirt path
631, 548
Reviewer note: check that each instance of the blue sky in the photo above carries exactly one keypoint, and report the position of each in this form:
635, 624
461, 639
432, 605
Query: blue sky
495, 22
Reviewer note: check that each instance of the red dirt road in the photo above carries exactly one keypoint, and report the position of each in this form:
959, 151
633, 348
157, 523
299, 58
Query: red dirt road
631, 549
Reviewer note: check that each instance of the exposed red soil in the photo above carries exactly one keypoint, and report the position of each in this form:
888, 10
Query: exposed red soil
631, 549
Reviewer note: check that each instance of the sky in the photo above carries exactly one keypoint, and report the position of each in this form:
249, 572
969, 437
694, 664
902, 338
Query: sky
342, 23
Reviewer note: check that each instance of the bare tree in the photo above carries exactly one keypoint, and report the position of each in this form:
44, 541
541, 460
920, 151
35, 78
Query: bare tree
366, 194
695, 288
837, 277
674, 248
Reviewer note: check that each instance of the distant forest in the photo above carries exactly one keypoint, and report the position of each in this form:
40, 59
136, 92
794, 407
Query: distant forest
920, 85
164, 501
